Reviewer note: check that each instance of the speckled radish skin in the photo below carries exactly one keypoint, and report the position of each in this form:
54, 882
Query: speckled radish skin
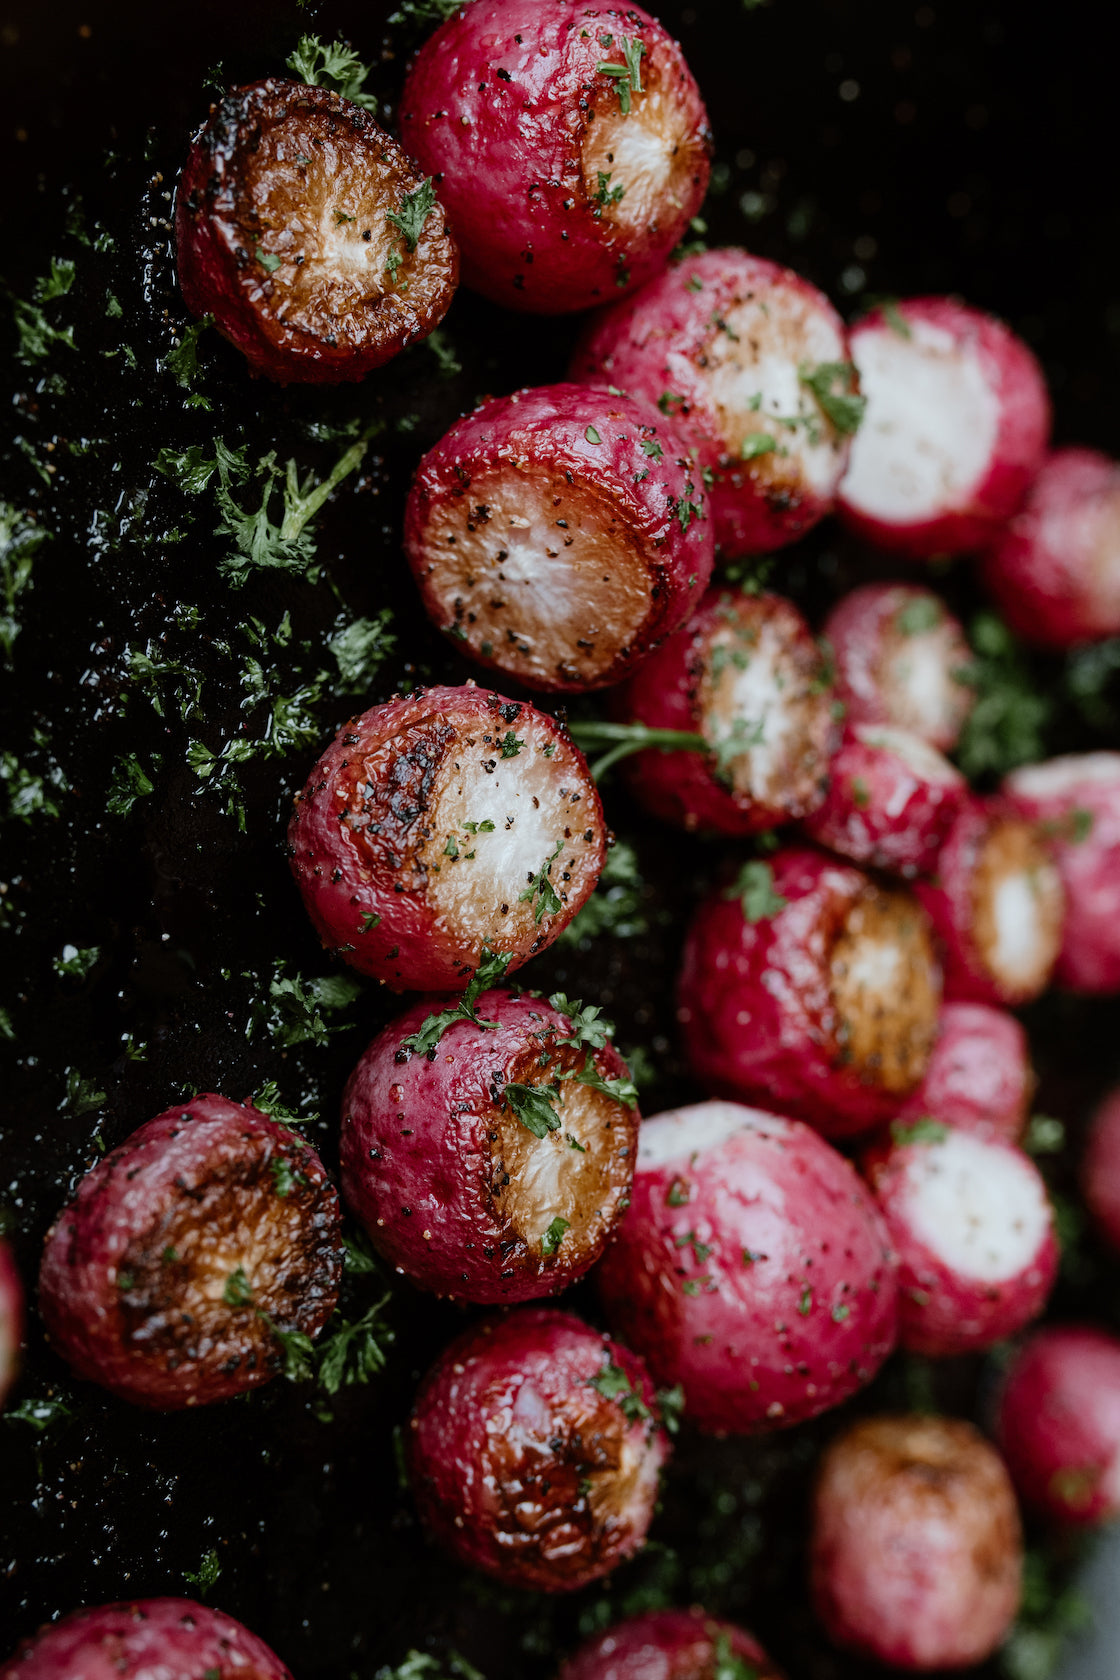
745, 673
669, 1645
282, 235
11, 1319
1054, 571
506, 104
901, 661
390, 847
956, 427
1058, 1424
559, 535
971, 1223
891, 801
135, 1284
145, 1639
826, 1008
998, 905
1076, 800
718, 341
1100, 1169
453, 1189
752, 1268
979, 1076
521, 1466
916, 1551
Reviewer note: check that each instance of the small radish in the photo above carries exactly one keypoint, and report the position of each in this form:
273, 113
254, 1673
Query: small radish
902, 660
891, 801
752, 364
671, 1645
559, 535
1100, 1169
957, 423
979, 1076
145, 1639
752, 1269
11, 1319
1058, 1423
534, 1450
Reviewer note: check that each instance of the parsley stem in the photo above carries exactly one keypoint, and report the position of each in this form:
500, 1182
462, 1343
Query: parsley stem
299, 509
629, 738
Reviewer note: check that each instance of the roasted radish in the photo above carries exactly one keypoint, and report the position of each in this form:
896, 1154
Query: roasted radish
956, 427
11, 1319
902, 661
1058, 1423
534, 1450
145, 1639
891, 801
979, 1076
916, 1549
188, 1253
808, 986
671, 1645
752, 1269
317, 246
559, 535
570, 142
1100, 1169
447, 834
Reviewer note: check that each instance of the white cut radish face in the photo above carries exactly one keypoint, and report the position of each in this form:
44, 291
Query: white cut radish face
1062, 777
921, 671
980, 1209
929, 431
638, 169
1017, 907
925, 761
886, 989
683, 1133
1087, 535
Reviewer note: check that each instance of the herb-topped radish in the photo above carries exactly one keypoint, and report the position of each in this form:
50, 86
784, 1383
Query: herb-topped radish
534, 1450
1058, 1423
571, 144
488, 1148
902, 661
11, 1319
559, 534
751, 362
972, 1226
979, 1076
747, 678
189, 1253
447, 834
1055, 569
753, 1268
891, 801
145, 1639
956, 427
807, 985
997, 904
917, 1549
317, 246
1100, 1169
671, 1645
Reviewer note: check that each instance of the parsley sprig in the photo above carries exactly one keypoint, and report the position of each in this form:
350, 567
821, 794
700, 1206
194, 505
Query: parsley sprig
754, 888
613, 1384
541, 889
833, 384
627, 76
336, 67
415, 209
490, 970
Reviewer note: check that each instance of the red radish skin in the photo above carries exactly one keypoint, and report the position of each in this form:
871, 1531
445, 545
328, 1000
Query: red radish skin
720, 342
559, 535
183, 1253
998, 906
972, 1226
441, 829
753, 1269
671, 1645
283, 235
534, 1451
825, 1004
979, 1076
1058, 1424
1100, 1169
956, 428
11, 1319
145, 1639
453, 1188
917, 1551
1054, 571
902, 661
566, 184
891, 801
1076, 800
746, 674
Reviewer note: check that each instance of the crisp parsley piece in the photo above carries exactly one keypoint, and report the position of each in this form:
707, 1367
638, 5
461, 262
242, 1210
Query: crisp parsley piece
622, 1090
415, 209
842, 407
754, 888
207, 1574
727, 1665
131, 782
510, 745
627, 76
487, 974
75, 962
554, 1236
359, 650
20, 539
336, 67
588, 1025
418, 1665
615, 907
1007, 724
293, 1010
613, 1384
755, 444
534, 1106
925, 1130
353, 1351
238, 1291
541, 888
684, 509
37, 1414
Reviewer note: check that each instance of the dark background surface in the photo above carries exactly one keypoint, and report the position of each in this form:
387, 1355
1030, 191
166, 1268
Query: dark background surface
879, 149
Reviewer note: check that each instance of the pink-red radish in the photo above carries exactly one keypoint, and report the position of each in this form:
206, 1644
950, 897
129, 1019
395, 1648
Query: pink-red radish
145, 1639
671, 1645
1100, 1169
979, 1076
11, 1319
1058, 1423
891, 801
902, 661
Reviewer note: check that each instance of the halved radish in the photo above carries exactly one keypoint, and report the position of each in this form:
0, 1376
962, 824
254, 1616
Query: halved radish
145, 1639
891, 801
1058, 1423
671, 1645
979, 1076
902, 660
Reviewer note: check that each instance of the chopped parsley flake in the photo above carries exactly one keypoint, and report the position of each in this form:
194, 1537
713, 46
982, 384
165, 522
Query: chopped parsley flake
415, 209
613, 1384
541, 888
487, 974
925, 1130
510, 745
922, 613
754, 888
843, 408
336, 67
627, 76
554, 1236
238, 1291
592, 435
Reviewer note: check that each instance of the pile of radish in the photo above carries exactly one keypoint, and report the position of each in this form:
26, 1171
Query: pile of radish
850, 1178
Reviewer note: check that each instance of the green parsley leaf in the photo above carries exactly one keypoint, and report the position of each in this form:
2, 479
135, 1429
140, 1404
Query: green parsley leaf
37, 337
82, 1095
353, 1352
683, 509
554, 1236
895, 319
415, 209
925, 1130
678, 1193
651, 447
534, 1106
727, 1666
805, 1304
293, 1010
510, 745
613, 1384
622, 1090
627, 76
541, 888
418, 1665
487, 974
130, 783
181, 361
336, 67
592, 435
75, 963
208, 1572
1007, 724
238, 1291
670, 1404
422, 14
37, 1414
615, 907
922, 613
284, 1176
1044, 1135
843, 408
756, 443
20, 540
754, 888
588, 1025
840, 1312
269, 260
359, 650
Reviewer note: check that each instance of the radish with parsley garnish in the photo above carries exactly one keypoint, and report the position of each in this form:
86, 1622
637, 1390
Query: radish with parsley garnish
145, 1639
971, 1223
979, 1075
807, 985
11, 1319
671, 1645
190, 1254
751, 364
534, 1450
997, 904
559, 535
488, 1147
319, 248
891, 801
916, 1549
753, 1269
1076, 801
446, 834
1100, 1169
570, 143
746, 680
957, 423
902, 661
1058, 1423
